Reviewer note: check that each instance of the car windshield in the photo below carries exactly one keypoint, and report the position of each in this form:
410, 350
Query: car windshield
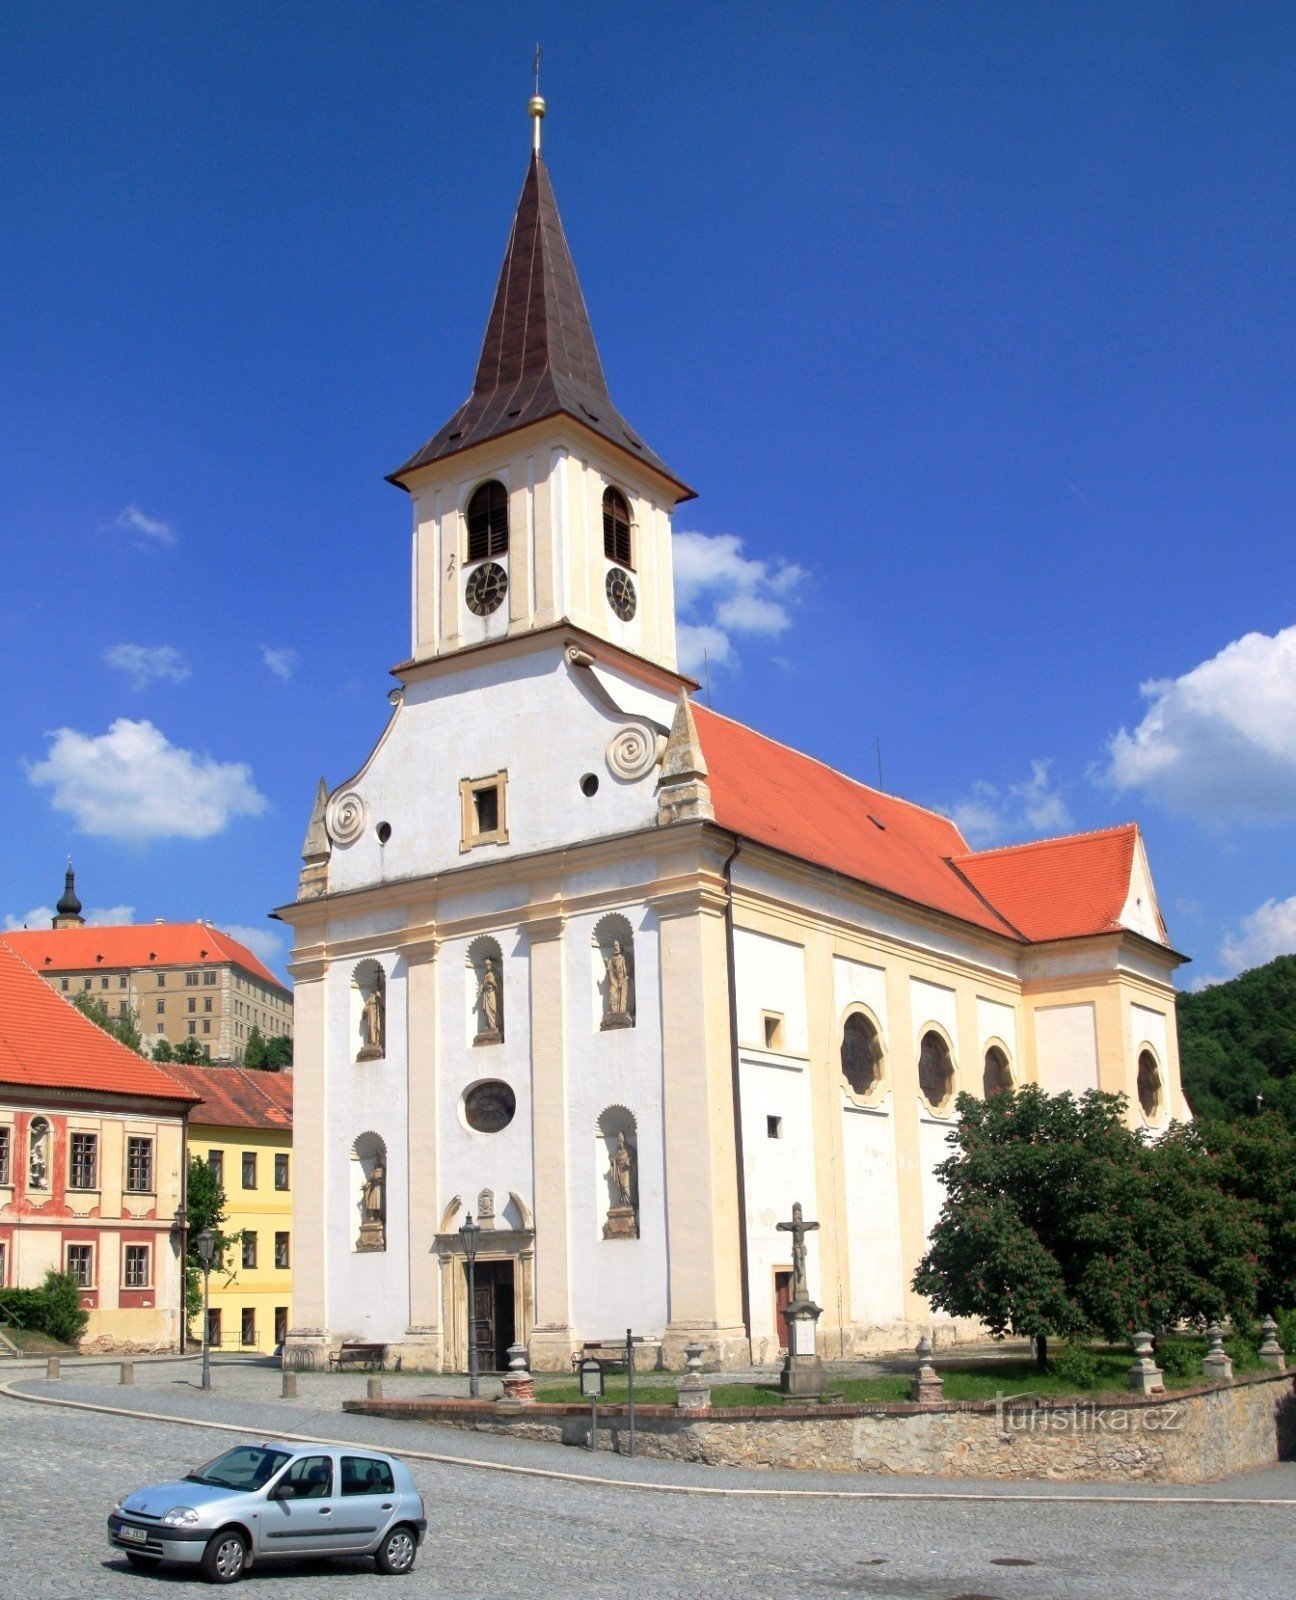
247, 1467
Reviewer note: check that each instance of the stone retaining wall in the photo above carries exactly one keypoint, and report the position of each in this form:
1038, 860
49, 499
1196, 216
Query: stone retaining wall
1195, 1436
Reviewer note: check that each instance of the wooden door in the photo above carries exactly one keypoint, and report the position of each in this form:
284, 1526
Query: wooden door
782, 1298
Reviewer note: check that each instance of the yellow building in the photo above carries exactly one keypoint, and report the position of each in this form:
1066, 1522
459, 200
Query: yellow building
242, 1128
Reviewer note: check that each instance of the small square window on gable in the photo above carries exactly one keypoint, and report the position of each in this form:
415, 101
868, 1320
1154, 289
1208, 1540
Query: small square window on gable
483, 815
774, 1127
772, 1024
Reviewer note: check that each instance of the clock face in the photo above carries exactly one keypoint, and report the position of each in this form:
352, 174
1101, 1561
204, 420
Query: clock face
621, 593
487, 586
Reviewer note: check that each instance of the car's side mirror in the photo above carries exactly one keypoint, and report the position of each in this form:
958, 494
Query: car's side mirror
281, 1491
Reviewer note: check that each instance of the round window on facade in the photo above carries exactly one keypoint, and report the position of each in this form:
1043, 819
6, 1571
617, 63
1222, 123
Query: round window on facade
935, 1070
998, 1074
488, 1107
861, 1054
1149, 1085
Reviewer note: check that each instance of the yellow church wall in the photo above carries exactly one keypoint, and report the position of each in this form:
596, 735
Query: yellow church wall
262, 1210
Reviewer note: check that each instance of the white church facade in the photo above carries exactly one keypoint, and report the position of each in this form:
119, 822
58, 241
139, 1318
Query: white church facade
625, 979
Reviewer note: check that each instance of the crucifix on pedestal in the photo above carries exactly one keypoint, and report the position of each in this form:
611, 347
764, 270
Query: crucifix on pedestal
802, 1372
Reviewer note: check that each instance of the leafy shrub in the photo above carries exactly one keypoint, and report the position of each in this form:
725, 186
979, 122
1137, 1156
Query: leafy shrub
1180, 1359
1286, 1321
54, 1309
22, 1308
1074, 1364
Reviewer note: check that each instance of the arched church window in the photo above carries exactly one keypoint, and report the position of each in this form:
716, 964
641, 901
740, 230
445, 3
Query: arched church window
998, 1073
935, 1070
861, 1054
616, 528
488, 528
1149, 1085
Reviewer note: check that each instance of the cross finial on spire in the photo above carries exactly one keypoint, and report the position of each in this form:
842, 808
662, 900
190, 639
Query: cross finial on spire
537, 106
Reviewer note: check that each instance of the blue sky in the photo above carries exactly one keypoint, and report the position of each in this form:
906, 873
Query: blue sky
973, 326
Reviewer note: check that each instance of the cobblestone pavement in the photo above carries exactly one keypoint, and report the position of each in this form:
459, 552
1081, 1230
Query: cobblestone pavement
504, 1534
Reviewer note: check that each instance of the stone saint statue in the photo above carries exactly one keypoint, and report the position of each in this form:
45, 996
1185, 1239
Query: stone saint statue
373, 1022
618, 980
373, 1206
488, 1002
622, 1172
38, 1168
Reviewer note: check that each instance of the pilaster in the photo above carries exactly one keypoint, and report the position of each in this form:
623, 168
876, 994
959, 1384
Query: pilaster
904, 1101
833, 1288
424, 1336
310, 1179
551, 1336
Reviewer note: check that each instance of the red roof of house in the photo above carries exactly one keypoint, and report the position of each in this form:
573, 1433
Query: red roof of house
136, 944
1058, 888
46, 1043
776, 796
235, 1097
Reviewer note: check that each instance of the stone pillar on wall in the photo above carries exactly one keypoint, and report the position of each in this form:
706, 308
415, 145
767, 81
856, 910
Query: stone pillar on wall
830, 1178
423, 1344
903, 1068
308, 1340
551, 1335
702, 1232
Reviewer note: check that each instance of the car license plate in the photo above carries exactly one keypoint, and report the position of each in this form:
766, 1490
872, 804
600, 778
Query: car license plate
133, 1535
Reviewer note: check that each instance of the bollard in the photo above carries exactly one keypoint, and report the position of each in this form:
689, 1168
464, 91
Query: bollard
375, 1388
127, 1372
52, 1367
289, 1390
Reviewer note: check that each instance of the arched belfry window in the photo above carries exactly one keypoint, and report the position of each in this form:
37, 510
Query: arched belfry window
616, 528
488, 528
1150, 1093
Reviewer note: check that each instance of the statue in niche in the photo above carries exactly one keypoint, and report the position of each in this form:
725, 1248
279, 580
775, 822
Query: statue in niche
622, 1223
489, 1025
38, 1165
373, 1209
373, 1022
616, 1001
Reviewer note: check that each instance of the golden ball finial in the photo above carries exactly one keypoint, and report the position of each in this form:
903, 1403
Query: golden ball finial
537, 106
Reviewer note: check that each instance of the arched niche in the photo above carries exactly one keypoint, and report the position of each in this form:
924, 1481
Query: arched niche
614, 981
38, 1154
862, 1056
485, 991
369, 1010
368, 1187
617, 1161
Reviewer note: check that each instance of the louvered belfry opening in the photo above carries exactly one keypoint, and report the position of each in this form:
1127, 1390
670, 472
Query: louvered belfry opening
488, 521
616, 528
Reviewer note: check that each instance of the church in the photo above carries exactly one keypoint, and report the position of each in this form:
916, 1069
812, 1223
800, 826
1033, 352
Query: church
622, 980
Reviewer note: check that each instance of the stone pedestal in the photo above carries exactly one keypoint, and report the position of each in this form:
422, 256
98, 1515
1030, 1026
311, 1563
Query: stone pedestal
549, 1348
519, 1386
1215, 1364
622, 1223
420, 1349
1271, 1352
1145, 1377
370, 1052
307, 1349
489, 1036
928, 1386
373, 1236
694, 1390
803, 1373
616, 1019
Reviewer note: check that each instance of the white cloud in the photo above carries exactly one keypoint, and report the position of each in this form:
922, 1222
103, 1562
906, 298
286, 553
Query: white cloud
146, 663
131, 783
130, 519
96, 917
719, 592
281, 660
1220, 741
1266, 932
263, 942
1033, 807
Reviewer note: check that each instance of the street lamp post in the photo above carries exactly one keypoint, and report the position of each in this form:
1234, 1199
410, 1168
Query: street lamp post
206, 1250
469, 1233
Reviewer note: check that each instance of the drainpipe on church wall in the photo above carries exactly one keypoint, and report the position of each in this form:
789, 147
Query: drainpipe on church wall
737, 1091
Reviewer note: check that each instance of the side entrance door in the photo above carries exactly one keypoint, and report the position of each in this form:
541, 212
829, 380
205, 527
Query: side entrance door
782, 1299
492, 1326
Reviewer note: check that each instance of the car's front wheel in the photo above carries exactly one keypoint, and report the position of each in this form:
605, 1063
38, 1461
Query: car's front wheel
225, 1556
397, 1551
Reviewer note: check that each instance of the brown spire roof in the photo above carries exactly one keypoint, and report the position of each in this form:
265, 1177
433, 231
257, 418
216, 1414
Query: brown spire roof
539, 358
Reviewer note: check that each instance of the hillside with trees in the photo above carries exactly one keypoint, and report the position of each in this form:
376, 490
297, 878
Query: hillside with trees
1237, 1040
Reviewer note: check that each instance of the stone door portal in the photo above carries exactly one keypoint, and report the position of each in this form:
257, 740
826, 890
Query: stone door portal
492, 1321
782, 1298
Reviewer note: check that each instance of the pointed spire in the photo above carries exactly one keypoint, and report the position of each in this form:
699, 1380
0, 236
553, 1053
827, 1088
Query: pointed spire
313, 879
538, 358
683, 793
68, 910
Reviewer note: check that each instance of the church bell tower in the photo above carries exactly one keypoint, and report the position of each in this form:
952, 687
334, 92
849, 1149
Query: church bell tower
537, 505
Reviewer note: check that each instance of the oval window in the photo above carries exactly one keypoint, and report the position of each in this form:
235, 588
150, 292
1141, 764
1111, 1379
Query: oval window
489, 1107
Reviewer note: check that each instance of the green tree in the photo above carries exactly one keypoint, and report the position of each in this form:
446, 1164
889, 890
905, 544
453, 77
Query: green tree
64, 1316
205, 1201
1237, 1042
254, 1052
123, 1028
162, 1050
1254, 1160
188, 1051
1059, 1220
279, 1052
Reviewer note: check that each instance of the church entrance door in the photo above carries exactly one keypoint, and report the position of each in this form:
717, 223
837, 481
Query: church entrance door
782, 1298
492, 1326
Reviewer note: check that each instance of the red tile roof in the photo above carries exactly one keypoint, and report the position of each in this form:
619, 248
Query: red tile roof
1058, 888
47, 1043
1051, 889
136, 944
234, 1097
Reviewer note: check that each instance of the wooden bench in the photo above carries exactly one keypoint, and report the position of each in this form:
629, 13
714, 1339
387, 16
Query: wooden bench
359, 1353
611, 1353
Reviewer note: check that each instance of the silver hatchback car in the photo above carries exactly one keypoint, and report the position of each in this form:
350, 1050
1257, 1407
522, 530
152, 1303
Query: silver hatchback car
263, 1501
